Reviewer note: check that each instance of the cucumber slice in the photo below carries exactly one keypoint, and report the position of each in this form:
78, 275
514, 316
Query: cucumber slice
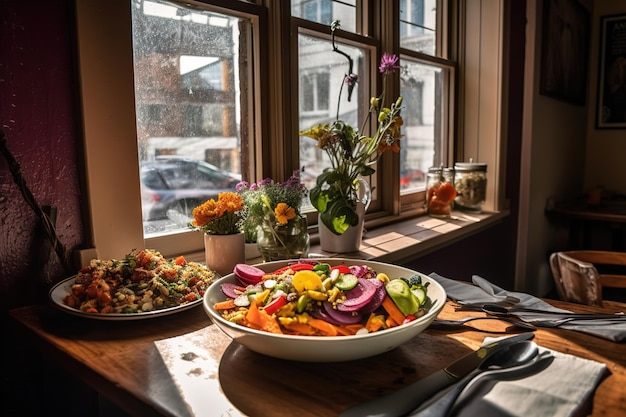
420, 292
346, 282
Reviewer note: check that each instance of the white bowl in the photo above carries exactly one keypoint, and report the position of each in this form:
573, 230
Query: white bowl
326, 348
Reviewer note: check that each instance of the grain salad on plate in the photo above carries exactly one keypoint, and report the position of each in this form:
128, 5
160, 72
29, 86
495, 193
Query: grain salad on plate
141, 282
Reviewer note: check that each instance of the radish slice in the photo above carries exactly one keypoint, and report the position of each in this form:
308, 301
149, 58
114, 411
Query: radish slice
360, 270
358, 296
376, 300
319, 313
248, 274
231, 290
343, 317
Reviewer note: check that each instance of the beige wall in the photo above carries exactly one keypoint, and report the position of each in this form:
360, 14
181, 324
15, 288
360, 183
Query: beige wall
552, 162
605, 163
563, 154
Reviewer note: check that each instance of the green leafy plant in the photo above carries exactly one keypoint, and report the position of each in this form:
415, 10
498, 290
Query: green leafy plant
352, 154
275, 203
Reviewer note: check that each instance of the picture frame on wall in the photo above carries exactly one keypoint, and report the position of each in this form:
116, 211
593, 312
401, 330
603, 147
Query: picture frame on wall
564, 51
611, 108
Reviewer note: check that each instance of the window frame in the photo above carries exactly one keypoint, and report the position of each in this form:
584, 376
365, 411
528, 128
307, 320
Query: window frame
111, 169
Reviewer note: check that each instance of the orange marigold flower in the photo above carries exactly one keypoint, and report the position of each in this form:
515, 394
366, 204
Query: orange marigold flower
205, 213
231, 201
284, 213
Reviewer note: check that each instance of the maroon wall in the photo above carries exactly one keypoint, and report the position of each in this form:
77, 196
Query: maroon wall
38, 96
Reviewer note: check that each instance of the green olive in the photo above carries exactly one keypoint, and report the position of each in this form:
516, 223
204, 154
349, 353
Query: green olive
302, 303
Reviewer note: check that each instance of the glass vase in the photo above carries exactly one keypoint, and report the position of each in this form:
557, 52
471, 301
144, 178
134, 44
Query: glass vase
278, 242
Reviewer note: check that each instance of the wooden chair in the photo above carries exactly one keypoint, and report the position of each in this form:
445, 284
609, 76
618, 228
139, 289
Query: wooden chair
577, 278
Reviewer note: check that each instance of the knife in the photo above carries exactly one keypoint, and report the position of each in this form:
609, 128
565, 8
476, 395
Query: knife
395, 404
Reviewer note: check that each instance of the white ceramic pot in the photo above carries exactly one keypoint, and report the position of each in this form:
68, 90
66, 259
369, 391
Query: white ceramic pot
349, 241
223, 252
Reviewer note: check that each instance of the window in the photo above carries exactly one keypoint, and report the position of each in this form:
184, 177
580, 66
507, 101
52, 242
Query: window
418, 25
239, 127
315, 92
189, 87
325, 11
424, 82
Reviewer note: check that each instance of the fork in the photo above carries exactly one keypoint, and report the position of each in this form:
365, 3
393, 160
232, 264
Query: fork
461, 322
507, 303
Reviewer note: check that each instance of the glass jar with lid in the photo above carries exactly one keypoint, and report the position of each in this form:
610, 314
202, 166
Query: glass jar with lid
470, 182
440, 192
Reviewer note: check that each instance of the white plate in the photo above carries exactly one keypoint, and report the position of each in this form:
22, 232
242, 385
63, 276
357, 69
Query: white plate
63, 288
326, 348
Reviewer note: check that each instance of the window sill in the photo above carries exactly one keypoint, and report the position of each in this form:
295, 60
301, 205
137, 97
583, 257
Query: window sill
408, 239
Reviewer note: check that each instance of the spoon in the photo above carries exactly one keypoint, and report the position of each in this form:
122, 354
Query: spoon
395, 405
461, 322
535, 365
524, 357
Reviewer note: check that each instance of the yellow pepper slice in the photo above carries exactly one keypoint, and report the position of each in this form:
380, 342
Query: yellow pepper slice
306, 280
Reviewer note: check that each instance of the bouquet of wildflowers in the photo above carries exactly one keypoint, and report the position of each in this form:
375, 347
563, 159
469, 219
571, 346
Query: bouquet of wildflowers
351, 153
276, 203
221, 217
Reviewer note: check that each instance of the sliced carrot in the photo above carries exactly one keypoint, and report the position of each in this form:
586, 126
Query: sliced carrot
324, 327
342, 331
300, 329
390, 322
225, 305
393, 310
354, 327
262, 320
349, 329
375, 323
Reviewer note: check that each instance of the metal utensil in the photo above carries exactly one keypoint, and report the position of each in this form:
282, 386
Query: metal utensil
537, 364
522, 358
478, 306
462, 323
404, 400
500, 311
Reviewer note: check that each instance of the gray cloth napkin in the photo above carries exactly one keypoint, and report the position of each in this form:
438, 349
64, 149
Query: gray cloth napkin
540, 393
485, 292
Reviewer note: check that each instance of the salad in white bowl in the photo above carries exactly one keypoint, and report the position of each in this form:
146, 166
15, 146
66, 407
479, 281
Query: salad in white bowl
325, 309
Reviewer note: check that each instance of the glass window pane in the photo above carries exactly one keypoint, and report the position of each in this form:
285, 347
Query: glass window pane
418, 25
188, 97
422, 89
321, 76
326, 11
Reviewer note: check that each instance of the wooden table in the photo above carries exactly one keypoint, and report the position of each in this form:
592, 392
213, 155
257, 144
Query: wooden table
126, 362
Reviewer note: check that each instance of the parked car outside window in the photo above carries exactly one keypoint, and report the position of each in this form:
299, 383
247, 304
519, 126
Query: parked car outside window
172, 187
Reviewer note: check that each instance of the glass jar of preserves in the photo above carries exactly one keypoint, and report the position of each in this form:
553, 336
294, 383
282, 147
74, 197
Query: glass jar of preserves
470, 182
440, 192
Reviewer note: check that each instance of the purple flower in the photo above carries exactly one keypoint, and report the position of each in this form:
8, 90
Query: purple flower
388, 63
351, 79
241, 186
